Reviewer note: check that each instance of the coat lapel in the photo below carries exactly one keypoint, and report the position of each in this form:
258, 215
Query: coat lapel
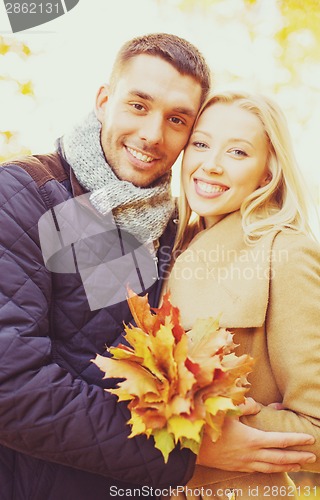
220, 273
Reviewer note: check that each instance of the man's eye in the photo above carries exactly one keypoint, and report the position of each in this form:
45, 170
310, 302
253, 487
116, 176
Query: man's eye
137, 106
176, 120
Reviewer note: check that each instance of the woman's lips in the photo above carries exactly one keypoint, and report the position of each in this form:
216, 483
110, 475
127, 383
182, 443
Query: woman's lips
209, 189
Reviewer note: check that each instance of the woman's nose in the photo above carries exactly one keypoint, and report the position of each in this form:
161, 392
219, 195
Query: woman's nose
212, 166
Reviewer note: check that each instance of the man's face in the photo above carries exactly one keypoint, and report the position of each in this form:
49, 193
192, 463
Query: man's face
146, 118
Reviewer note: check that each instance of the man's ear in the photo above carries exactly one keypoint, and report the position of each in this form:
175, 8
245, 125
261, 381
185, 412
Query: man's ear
101, 100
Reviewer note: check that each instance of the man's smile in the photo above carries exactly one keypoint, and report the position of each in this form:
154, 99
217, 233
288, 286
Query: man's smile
140, 156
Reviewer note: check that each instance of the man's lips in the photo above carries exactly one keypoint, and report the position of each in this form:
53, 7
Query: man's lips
209, 189
140, 155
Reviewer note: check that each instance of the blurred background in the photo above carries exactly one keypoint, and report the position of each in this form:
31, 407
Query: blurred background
49, 75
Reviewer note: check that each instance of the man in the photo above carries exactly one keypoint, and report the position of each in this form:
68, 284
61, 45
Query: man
62, 436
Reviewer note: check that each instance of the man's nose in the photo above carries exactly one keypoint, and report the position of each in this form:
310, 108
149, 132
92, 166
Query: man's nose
152, 129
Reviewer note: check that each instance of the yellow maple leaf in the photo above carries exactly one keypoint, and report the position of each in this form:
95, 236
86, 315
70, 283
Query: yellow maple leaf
218, 403
153, 418
162, 344
124, 352
214, 425
142, 348
191, 444
138, 381
164, 442
137, 425
182, 427
186, 378
206, 339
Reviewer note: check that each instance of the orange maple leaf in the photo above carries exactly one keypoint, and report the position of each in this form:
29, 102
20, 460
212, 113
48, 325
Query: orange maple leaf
176, 382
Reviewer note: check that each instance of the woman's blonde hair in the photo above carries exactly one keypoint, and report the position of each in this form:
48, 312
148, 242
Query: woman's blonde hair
280, 204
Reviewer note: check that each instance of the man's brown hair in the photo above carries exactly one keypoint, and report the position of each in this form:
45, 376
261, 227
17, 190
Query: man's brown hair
180, 53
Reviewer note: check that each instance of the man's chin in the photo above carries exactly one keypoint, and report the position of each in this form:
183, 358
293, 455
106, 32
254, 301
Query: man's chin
142, 183
138, 177
141, 180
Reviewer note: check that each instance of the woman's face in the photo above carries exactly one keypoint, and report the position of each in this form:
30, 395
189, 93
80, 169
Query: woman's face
225, 161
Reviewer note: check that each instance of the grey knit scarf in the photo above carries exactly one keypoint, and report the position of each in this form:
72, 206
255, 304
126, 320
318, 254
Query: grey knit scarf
143, 212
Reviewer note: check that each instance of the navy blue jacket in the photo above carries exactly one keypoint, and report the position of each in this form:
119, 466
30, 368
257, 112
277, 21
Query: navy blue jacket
62, 437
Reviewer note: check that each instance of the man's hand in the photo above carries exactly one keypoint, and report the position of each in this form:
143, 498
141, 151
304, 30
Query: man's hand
249, 407
245, 449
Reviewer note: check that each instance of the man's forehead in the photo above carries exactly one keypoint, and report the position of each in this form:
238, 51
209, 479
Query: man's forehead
151, 78
144, 61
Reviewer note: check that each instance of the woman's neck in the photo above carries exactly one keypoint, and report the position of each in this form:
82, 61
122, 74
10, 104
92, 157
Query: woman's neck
212, 220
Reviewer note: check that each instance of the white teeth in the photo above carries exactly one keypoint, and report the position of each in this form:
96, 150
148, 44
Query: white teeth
210, 188
140, 156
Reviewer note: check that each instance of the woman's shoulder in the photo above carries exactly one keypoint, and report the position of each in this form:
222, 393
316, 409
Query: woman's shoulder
296, 249
294, 240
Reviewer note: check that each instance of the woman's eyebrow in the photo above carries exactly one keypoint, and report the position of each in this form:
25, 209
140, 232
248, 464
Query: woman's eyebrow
239, 139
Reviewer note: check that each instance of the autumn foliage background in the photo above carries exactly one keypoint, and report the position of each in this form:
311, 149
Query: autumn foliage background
49, 75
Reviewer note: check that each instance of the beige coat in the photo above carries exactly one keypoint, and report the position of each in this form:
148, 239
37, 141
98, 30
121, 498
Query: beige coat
269, 296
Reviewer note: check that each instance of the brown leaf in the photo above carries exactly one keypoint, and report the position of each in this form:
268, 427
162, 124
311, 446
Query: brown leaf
141, 312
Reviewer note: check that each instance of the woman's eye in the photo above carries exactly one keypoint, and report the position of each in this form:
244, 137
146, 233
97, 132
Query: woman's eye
199, 145
239, 152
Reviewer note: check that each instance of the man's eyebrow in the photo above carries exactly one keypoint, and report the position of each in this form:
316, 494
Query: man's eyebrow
141, 95
179, 110
185, 111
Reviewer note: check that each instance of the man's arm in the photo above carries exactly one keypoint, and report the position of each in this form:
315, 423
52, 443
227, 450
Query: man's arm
45, 412
241, 449
244, 449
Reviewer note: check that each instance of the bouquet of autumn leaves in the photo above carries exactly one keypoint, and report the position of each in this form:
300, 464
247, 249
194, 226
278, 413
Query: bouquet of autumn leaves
177, 382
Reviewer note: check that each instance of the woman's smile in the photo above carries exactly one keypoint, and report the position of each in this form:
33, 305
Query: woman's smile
209, 189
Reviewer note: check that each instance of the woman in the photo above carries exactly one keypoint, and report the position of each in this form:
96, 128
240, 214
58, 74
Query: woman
249, 257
